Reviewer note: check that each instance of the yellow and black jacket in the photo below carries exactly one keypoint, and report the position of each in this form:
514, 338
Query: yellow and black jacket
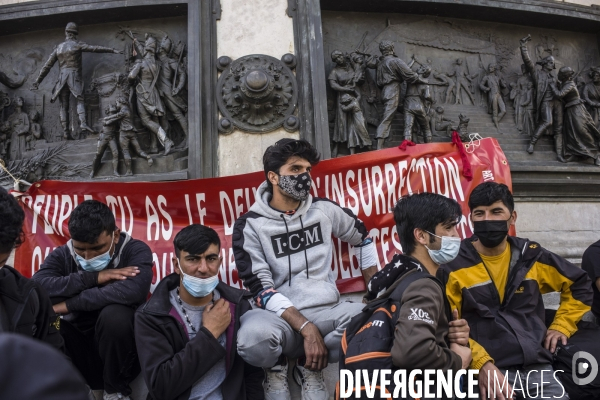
511, 333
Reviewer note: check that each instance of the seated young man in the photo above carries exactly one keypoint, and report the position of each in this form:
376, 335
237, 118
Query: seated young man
186, 333
25, 307
590, 263
426, 225
283, 250
496, 283
96, 281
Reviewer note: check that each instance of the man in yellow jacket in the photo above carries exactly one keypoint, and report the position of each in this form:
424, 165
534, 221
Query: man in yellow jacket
496, 282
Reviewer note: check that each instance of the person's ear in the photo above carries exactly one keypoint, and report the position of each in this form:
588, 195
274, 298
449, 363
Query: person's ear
421, 236
514, 218
273, 178
117, 236
175, 265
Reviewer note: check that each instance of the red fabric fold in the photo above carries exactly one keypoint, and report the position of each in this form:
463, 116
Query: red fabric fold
406, 143
467, 170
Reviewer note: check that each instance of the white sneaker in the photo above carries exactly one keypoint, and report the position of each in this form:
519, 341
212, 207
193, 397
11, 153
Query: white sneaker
313, 384
114, 396
276, 383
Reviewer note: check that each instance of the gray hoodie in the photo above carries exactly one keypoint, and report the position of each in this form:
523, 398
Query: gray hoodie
285, 260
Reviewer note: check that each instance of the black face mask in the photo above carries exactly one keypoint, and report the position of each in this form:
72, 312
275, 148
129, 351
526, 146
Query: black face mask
490, 233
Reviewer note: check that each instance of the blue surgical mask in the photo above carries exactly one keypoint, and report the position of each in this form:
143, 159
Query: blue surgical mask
448, 251
97, 263
199, 287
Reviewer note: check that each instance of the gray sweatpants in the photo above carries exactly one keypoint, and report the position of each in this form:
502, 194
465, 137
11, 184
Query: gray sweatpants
263, 336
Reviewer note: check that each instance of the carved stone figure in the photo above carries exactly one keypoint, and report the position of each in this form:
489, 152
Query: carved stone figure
582, 137
521, 98
171, 81
365, 88
127, 134
4, 140
358, 136
417, 102
19, 125
491, 85
107, 138
463, 127
391, 72
463, 80
68, 54
151, 109
11, 83
526, 107
439, 122
35, 129
548, 108
341, 81
447, 81
591, 95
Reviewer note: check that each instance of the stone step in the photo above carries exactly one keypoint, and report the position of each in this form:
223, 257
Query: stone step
523, 156
172, 162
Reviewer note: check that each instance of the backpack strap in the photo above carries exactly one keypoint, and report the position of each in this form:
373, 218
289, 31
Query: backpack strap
414, 276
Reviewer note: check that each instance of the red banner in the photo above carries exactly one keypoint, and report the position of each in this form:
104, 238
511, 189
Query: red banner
369, 184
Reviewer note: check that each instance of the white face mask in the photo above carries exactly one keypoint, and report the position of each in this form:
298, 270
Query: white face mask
448, 251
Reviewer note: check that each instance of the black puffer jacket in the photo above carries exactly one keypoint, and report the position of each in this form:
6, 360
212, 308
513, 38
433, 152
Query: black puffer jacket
27, 309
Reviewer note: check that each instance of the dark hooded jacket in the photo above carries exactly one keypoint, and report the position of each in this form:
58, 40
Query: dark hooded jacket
171, 362
25, 308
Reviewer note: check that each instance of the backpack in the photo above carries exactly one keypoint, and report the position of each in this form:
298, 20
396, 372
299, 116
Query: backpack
368, 339
585, 339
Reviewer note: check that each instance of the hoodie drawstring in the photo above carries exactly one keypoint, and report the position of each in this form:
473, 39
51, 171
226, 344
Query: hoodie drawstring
289, 255
304, 247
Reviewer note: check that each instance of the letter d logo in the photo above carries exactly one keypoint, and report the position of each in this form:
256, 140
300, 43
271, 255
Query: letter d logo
582, 367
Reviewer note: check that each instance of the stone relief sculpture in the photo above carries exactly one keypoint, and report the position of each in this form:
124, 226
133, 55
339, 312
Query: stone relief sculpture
463, 81
521, 98
366, 89
417, 103
19, 128
391, 73
591, 95
440, 123
35, 130
127, 134
172, 79
548, 108
581, 136
492, 84
358, 136
463, 127
70, 81
107, 139
341, 80
151, 109
526, 101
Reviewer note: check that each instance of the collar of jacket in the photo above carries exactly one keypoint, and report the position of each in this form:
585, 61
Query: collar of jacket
261, 205
159, 303
528, 250
14, 285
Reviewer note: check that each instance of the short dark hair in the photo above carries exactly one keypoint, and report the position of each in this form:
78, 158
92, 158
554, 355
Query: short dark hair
195, 239
277, 155
89, 219
424, 211
11, 227
487, 193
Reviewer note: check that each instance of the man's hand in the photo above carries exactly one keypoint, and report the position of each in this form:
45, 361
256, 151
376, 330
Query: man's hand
175, 92
459, 330
34, 86
61, 308
368, 273
464, 353
552, 338
490, 388
525, 40
109, 275
217, 317
314, 348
